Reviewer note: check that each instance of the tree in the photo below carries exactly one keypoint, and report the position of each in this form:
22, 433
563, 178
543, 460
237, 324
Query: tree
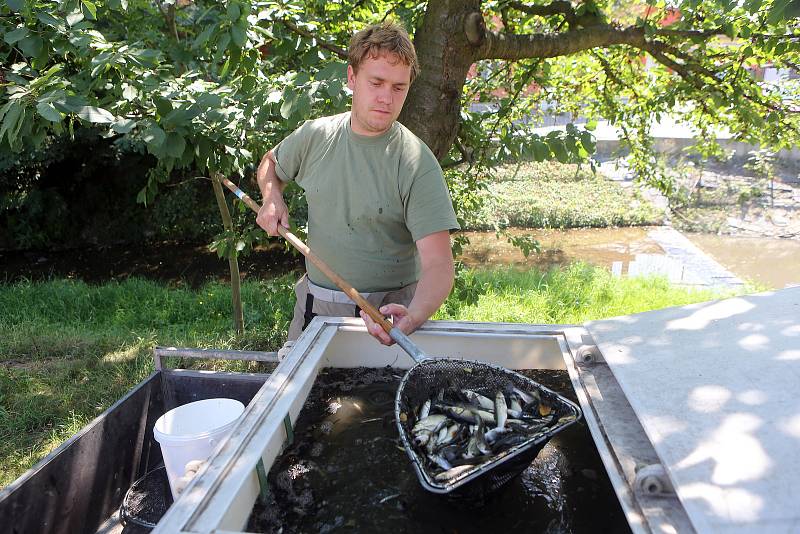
207, 87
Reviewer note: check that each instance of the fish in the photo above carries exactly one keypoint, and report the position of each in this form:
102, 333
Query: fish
500, 409
461, 428
452, 473
465, 414
424, 430
476, 398
432, 423
425, 410
477, 442
440, 461
493, 434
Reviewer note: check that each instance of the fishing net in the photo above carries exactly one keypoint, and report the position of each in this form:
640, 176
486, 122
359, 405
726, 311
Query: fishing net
146, 501
426, 379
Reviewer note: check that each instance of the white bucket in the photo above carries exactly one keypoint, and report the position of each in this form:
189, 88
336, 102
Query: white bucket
192, 432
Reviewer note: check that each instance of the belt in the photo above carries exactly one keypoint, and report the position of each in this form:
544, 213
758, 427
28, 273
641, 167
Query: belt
330, 295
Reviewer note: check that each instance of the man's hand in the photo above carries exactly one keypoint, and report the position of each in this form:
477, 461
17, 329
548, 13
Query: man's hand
272, 213
273, 209
435, 282
401, 318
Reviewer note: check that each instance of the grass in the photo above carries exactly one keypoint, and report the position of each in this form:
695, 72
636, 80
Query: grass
68, 350
554, 195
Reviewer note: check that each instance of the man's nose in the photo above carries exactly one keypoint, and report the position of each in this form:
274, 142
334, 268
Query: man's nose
385, 96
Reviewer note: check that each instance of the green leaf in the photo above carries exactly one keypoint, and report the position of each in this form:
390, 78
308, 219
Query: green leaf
16, 5
95, 115
332, 71
74, 17
559, 150
154, 136
123, 126
49, 20
540, 150
234, 11
587, 141
163, 106
10, 122
238, 36
204, 36
49, 112
289, 98
591, 125
16, 35
70, 104
91, 8
31, 46
175, 144
129, 93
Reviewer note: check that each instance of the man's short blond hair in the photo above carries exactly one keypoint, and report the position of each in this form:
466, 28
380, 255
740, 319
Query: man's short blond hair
382, 38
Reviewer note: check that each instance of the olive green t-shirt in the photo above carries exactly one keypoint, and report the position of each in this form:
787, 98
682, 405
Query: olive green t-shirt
369, 200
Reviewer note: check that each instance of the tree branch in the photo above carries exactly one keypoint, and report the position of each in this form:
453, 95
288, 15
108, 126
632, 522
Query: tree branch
499, 45
341, 52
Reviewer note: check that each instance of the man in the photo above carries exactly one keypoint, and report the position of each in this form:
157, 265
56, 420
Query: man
378, 208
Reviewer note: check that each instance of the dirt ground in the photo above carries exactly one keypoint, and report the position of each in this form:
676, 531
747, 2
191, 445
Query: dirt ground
176, 263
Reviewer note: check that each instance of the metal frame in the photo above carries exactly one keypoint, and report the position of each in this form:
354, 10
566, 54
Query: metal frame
221, 497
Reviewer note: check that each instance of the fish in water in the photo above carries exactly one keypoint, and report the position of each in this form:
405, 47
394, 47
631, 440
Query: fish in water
460, 429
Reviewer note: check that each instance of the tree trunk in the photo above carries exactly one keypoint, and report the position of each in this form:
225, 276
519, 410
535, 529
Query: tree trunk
233, 262
445, 54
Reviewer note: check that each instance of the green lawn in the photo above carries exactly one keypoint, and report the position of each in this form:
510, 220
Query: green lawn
68, 350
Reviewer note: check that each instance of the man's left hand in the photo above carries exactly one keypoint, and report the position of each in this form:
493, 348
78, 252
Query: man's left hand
402, 318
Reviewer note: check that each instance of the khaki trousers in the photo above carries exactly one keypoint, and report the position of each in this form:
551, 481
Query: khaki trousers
302, 316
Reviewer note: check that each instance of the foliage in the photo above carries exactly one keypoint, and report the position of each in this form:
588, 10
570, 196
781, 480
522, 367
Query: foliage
210, 86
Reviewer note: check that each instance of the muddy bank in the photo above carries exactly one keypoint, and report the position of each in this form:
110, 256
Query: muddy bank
176, 263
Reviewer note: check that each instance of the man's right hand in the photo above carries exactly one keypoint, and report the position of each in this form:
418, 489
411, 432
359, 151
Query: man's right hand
272, 213
273, 210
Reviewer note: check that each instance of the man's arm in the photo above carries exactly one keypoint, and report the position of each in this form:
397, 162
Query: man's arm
273, 208
435, 282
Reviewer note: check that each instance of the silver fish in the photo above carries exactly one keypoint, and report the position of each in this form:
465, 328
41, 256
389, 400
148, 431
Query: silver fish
432, 423
439, 461
476, 398
424, 430
495, 433
467, 414
514, 404
425, 410
500, 409
452, 473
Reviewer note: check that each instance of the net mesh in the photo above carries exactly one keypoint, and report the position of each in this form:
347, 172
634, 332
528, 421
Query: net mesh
426, 379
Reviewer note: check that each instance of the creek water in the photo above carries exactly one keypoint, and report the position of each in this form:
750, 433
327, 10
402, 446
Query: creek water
771, 262
598, 246
347, 471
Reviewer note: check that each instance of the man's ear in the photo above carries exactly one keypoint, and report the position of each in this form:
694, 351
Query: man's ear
351, 77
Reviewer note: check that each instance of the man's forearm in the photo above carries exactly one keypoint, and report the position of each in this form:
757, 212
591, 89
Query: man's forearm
436, 277
268, 182
433, 287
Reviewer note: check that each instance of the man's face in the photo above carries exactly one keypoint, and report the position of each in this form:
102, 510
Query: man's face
379, 90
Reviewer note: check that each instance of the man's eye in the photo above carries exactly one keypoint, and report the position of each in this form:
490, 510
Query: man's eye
375, 84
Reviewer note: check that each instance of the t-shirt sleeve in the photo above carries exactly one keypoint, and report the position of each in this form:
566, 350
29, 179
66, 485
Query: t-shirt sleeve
290, 152
429, 208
